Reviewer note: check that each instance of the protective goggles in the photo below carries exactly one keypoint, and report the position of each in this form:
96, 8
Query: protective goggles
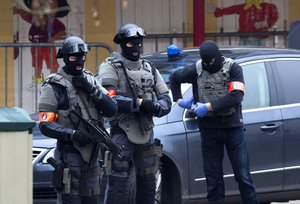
77, 48
134, 32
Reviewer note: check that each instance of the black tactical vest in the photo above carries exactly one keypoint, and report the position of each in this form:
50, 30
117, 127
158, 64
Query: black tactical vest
214, 86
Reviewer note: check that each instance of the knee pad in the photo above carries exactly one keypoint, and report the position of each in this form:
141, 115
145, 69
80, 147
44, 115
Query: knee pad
117, 183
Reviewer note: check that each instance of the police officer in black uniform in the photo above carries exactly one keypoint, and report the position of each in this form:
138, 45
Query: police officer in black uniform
141, 94
218, 90
76, 176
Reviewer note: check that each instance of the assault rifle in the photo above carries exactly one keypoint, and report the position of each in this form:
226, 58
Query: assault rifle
99, 134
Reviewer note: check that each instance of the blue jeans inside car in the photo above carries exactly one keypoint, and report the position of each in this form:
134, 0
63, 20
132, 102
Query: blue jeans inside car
213, 142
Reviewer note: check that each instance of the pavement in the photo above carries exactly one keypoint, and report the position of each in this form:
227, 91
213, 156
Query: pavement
290, 202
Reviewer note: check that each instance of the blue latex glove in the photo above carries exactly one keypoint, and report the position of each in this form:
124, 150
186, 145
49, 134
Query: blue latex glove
186, 103
200, 110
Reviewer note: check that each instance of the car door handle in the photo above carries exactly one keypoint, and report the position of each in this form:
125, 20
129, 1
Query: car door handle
270, 127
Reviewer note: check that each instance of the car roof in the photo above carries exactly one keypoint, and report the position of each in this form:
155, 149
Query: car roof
239, 54
250, 52
236, 52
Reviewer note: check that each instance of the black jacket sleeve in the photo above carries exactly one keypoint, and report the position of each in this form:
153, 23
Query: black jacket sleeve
125, 104
163, 104
184, 75
104, 103
233, 98
56, 131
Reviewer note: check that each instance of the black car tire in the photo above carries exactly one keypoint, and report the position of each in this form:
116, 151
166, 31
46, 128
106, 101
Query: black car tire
170, 183
158, 178
131, 185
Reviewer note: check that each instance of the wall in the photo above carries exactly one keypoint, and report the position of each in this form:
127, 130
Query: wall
156, 17
6, 36
100, 26
230, 23
293, 7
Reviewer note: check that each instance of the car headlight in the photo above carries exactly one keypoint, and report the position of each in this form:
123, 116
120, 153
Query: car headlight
48, 155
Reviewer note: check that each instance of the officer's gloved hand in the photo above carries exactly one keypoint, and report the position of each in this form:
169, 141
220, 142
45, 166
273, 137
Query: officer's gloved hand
148, 106
200, 110
186, 103
81, 83
81, 138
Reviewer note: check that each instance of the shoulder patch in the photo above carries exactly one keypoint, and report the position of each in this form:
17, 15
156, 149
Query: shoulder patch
148, 66
56, 79
87, 72
199, 67
227, 64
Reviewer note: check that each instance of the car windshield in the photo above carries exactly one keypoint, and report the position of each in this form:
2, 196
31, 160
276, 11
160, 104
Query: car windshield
166, 67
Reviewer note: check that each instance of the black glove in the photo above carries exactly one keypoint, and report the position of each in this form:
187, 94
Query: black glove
81, 138
81, 83
149, 107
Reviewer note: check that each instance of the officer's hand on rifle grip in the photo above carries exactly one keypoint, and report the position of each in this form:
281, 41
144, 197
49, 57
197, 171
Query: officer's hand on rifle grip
81, 83
148, 106
80, 137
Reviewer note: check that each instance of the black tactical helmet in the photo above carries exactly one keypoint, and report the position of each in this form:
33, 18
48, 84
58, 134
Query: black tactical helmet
72, 45
127, 31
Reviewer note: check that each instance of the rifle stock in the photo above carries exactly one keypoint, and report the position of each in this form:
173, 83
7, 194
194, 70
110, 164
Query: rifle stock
100, 135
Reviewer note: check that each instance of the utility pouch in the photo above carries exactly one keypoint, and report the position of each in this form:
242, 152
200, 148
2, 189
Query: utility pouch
57, 177
66, 180
158, 147
107, 162
57, 174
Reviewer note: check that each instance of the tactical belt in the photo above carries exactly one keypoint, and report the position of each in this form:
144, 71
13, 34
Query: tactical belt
89, 192
146, 153
91, 173
147, 171
120, 169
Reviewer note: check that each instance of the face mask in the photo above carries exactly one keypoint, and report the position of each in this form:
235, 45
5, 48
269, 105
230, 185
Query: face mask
131, 48
74, 63
209, 51
213, 68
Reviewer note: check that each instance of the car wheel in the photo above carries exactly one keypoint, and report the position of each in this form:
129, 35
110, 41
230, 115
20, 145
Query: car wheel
131, 185
158, 185
168, 187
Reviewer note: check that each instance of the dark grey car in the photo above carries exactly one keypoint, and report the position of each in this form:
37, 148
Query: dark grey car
271, 111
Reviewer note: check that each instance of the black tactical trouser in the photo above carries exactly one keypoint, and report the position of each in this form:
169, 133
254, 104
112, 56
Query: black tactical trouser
144, 159
84, 179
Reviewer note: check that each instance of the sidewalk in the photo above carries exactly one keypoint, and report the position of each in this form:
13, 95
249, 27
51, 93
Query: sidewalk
290, 202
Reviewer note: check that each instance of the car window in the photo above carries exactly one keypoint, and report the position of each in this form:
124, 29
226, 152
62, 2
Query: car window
166, 67
256, 86
289, 71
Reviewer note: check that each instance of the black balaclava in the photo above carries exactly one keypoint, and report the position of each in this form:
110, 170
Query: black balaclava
127, 52
71, 66
208, 51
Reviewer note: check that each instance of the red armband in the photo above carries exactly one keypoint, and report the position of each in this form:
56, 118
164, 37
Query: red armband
112, 92
236, 85
48, 117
